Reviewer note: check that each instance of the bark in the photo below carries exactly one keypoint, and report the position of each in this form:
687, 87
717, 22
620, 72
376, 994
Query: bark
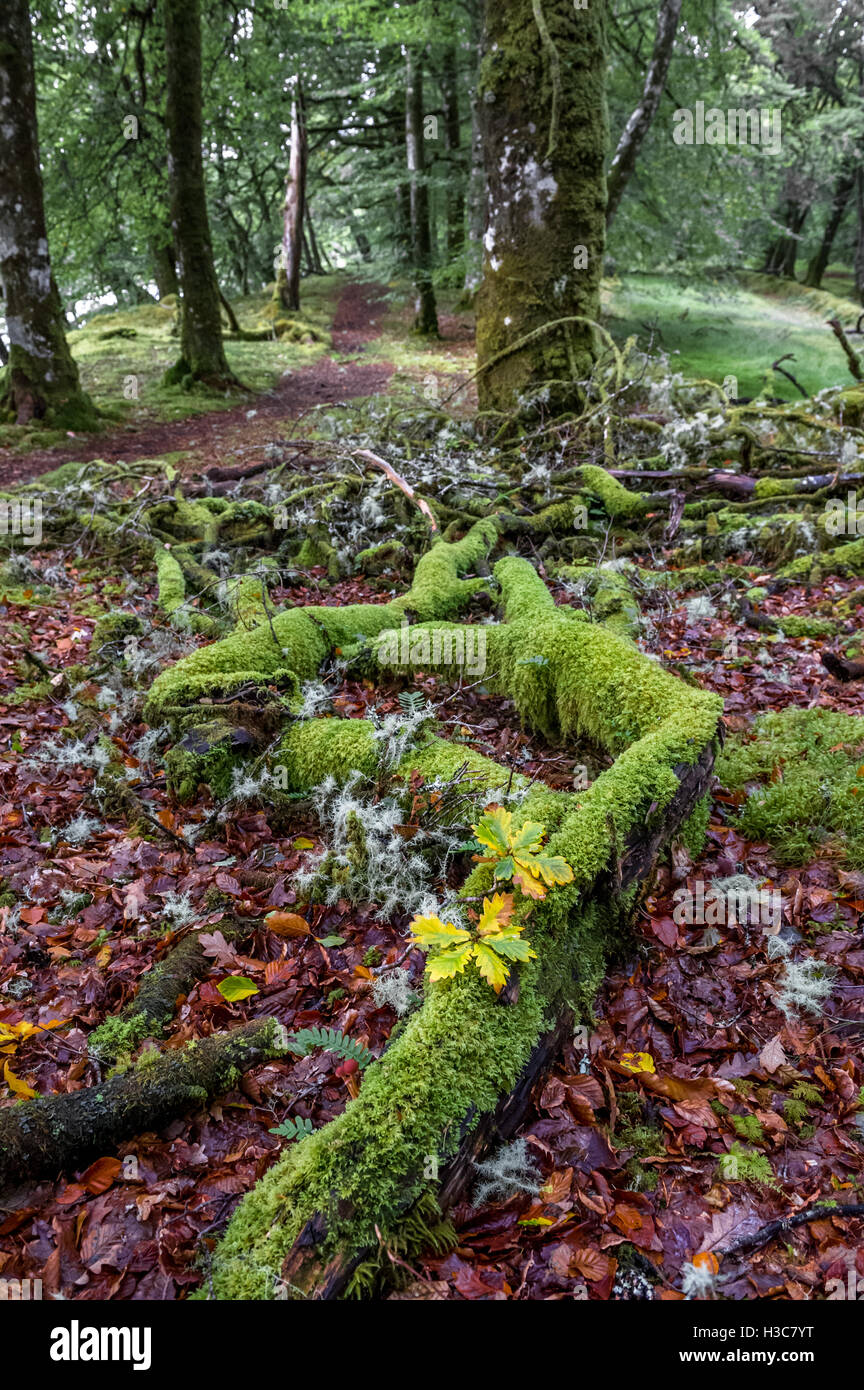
164, 265
287, 290
425, 312
859, 244
633, 136
53, 1134
543, 111
202, 354
41, 380
452, 137
819, 263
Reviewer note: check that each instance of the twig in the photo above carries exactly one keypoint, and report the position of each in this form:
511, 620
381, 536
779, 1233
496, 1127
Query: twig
399, 482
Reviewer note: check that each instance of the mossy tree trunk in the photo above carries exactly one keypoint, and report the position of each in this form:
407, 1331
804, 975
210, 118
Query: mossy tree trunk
41, 379
543, 112
287, 291
164, 264
425, 311
202, 354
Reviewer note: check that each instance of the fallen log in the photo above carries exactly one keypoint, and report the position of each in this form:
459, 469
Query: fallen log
52, 1134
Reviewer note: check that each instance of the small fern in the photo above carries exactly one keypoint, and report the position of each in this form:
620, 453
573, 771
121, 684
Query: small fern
297, 1128
329, 1040
411, 701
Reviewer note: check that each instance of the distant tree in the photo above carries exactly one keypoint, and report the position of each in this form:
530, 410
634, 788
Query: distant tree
637, 127
202, 354
425, 311
40, 381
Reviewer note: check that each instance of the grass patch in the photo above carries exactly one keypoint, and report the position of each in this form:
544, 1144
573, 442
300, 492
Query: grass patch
713, 328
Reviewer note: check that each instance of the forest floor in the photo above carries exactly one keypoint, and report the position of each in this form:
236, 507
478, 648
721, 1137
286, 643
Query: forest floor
689, 1055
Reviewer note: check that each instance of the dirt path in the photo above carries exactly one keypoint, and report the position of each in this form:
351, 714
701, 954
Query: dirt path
225, 435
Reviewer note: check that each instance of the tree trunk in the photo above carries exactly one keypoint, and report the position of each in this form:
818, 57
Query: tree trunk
543, 110
819, 263
41, 380
202, 354
639, 124
859, 244
287, 290
164, 265
425, 312
314, 250
452, 136
782, 252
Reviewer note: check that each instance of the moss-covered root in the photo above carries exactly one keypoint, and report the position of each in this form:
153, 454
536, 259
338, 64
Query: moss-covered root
51, 1134
158, 992
292, 647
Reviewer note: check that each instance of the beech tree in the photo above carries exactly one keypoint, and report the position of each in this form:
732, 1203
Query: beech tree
425, 312
41, 378
544, 126
202, 356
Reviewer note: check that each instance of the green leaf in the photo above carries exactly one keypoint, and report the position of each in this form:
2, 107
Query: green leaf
430, 933
553, 868
449, 963
493, 829
331, 940
236, 987
490, 965
294, 1128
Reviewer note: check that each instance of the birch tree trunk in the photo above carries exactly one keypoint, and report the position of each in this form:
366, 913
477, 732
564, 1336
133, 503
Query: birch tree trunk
425, 311
624, 162
288, 279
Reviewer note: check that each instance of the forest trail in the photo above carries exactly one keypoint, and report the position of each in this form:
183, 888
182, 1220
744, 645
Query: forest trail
226, 436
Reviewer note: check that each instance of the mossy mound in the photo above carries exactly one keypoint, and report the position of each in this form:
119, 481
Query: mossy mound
809, 792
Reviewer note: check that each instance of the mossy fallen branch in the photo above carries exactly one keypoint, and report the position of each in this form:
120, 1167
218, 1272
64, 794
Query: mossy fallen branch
52, 1134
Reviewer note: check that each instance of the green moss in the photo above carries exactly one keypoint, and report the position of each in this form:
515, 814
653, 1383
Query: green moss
118, 1036
295, 644
695, 827
112, 628
618, 500
809, 794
